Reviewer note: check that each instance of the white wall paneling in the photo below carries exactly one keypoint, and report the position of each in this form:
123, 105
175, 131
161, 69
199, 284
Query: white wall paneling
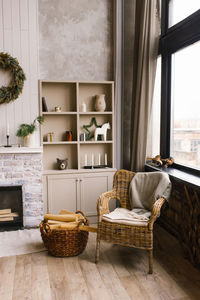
19, 37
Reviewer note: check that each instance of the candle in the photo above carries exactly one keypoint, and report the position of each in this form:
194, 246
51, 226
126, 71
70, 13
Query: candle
7, 129
106, 159
85, 159
92, 159
99, 159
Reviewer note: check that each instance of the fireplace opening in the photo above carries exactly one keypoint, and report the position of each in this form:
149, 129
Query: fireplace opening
11, 207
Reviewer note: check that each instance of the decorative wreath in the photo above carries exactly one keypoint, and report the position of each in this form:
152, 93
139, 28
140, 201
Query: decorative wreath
12, 91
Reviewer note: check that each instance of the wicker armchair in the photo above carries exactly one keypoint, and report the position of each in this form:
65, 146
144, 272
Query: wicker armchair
122, 234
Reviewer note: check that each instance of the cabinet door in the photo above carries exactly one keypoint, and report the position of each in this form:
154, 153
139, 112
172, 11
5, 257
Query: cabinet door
92, 186
44, 182
62, 193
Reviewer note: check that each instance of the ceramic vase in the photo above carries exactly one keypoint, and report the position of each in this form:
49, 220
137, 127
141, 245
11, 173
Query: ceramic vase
100, 103
29, 141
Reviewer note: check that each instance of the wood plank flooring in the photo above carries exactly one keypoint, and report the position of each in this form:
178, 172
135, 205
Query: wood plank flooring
121, 274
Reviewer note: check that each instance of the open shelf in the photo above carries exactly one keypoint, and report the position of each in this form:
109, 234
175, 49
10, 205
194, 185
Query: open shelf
59, 113
96, 150
96, 113
88, 92
60, 143
59, 125
95, 142
51, 153
61, 94
100, 119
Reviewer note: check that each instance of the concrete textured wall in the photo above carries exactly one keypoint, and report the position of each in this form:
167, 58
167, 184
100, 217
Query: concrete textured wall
76, 39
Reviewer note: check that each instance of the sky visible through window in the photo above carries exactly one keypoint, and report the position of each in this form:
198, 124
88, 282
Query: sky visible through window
185, 123
181, 9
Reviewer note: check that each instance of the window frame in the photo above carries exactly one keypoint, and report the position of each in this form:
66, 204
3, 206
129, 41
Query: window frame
172, 39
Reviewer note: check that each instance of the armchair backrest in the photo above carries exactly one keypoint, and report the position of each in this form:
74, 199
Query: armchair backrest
121, 181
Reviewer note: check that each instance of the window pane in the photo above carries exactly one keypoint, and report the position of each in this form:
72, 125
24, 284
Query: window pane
185, 125
181, 9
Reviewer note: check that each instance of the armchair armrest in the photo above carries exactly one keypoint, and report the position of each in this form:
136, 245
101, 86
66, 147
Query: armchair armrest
155, 211
103, 203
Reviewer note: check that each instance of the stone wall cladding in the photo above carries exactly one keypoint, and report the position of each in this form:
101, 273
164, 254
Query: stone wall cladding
25, 170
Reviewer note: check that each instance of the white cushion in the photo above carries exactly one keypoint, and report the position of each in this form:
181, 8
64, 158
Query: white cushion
137, 217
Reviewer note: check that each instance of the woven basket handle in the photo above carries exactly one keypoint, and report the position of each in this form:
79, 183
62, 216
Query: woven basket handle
45, 227
80, 212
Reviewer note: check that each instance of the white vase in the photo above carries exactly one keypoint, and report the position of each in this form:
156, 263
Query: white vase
100, 103
83, 107
29, 141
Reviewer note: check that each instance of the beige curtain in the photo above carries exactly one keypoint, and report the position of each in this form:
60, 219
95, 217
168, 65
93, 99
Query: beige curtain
137, 108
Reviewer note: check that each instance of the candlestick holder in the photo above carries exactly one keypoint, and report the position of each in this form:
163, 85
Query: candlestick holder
8, 145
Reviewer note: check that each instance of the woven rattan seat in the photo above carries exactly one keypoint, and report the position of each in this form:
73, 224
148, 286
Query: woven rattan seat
126, 235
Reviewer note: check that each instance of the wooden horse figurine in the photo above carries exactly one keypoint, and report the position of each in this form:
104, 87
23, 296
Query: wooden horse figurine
102, 131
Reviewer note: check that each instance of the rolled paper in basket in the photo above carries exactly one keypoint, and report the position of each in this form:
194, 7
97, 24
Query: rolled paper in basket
53, 222
64, 226
62, 218
67, 212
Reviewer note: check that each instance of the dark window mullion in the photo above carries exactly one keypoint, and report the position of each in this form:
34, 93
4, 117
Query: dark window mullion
164, 17
165, 106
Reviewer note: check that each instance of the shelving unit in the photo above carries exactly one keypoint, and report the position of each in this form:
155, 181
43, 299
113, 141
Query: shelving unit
69, 96
81, 187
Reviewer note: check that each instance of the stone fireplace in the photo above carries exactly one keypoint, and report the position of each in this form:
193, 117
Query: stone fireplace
23, 167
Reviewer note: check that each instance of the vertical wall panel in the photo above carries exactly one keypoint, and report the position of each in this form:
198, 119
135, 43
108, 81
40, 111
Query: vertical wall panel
3, 108
1, 25
7, 14
19, 37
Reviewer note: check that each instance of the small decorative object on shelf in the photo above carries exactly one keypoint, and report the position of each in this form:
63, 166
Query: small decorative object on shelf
102, 131
69, 136
86, 160
44, 105
106, 159
50, 137
90, 135
57, 109
62, 163
100, 103
92, 159
83, 107
99, 159
93, 165
26, 131
82, 137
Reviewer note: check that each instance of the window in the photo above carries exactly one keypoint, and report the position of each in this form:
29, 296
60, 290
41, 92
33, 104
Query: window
180, 9
180, 88
185, 108
195, 146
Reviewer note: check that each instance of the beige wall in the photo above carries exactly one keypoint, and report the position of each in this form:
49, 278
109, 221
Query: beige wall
76, 39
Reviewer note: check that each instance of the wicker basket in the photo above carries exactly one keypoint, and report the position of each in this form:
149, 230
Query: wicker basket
64, 242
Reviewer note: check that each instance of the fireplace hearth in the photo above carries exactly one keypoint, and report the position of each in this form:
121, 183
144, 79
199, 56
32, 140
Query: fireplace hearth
23, 167
11, 207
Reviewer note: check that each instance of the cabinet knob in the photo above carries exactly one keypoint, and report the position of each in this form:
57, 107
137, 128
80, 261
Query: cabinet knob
76, 180
81, 179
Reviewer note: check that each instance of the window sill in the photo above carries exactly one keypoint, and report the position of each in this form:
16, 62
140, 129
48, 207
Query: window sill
193, 180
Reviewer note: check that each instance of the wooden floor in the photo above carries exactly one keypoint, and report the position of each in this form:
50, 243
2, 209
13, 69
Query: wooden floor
121, 274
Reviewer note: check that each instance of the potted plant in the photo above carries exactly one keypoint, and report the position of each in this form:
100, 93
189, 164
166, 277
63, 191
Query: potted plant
26, 131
